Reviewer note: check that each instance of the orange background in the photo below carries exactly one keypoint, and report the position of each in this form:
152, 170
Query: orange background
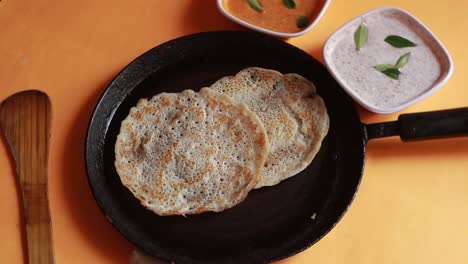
412, 206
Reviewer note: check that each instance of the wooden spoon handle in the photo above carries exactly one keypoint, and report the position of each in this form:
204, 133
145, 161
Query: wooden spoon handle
25, 121
38, 229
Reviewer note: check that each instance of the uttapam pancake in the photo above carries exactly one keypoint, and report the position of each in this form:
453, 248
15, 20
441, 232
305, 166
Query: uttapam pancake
188, 153
293, 114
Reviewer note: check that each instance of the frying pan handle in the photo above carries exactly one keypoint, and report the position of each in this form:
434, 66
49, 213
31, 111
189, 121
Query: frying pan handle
425, 125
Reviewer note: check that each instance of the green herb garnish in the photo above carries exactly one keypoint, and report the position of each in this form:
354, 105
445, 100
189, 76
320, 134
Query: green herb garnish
255, 5
383, 67
302, 22
393, 71
402, 60
399, 42
360, 36
289, 4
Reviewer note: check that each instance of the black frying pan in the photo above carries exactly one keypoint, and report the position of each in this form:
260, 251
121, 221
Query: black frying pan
273, 222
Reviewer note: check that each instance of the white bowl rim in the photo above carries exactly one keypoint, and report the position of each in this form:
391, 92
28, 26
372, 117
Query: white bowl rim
435, 87
271, 32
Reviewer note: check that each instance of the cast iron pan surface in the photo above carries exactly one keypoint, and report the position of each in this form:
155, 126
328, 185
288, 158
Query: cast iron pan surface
273, 222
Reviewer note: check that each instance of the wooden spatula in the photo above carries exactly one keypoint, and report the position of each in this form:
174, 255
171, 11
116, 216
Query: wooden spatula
25, 121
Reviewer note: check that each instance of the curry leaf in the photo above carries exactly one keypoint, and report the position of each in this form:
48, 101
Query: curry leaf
255, 5
383, 67
399, 42
302, 22
403, 60
392, 73
289, 4
360, 36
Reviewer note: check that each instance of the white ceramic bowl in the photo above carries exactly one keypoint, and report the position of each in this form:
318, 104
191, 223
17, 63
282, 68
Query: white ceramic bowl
270, 32
413, 24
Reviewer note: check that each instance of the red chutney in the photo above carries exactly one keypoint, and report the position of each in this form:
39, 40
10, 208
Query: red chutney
275, 16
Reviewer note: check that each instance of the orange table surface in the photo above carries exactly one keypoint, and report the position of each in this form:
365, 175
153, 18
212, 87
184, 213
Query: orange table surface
412, 206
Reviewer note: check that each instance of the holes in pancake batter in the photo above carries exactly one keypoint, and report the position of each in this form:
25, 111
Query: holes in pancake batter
172, 128
266, 165
188, 99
